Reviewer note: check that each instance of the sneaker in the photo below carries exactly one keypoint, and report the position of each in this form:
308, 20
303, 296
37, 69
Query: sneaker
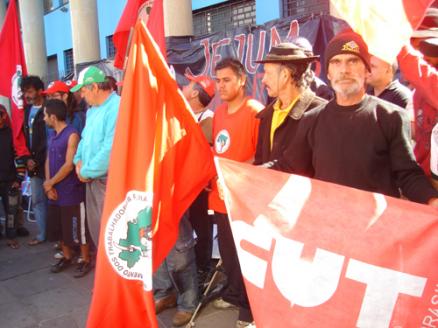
59, 255
82, 269
61, 265
245, 324
219, 303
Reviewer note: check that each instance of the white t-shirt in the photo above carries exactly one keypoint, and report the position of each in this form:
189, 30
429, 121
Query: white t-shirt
434, 152
203, 115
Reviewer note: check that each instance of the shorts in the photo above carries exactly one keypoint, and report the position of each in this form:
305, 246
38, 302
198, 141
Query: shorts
67, 224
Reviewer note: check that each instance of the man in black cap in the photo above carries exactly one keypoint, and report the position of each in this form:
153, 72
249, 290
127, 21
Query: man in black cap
287, 78
359, 140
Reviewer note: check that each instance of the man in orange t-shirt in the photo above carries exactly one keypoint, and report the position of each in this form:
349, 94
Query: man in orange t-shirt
235, 128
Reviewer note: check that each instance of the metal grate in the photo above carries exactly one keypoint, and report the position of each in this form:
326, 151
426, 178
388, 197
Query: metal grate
304, 7
110, 49
68, 61
229, 15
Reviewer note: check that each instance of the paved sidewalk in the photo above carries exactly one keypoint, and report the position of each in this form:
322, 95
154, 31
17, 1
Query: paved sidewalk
31, 296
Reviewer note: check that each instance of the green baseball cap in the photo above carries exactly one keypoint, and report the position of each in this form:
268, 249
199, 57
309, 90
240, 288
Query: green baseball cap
87, 76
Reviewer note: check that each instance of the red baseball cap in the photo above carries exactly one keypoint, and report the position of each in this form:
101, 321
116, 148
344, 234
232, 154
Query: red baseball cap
56, 86
71, 83
205, 82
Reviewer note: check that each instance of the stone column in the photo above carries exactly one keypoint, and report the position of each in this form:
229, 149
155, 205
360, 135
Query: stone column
34, 41
85, 31
2, 12
178, 20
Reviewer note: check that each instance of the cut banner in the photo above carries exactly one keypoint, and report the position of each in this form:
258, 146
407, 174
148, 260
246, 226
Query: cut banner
316, 254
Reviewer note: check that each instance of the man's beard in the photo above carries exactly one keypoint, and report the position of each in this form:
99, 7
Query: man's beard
353, 89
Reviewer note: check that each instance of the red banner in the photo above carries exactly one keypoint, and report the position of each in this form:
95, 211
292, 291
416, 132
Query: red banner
160, 162
12, 68
316, 254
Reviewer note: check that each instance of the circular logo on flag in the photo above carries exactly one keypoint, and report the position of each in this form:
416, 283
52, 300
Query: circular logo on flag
222, 142
128, 238
16, 93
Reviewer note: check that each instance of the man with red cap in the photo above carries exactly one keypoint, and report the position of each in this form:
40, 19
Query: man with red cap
61, 90
359, 140
418, 63
199, 92
175, 282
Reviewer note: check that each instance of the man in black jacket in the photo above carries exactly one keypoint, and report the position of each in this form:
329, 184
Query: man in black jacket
36, 139
359, 140
287, 78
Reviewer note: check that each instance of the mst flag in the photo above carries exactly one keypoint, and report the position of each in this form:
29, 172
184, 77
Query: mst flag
316, 254
151, 12
385, 26
160, 161
12, 68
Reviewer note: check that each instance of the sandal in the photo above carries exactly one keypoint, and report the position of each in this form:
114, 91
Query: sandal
35, 242
12, 243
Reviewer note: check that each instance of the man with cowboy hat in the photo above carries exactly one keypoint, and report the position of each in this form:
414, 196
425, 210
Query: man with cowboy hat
287, 78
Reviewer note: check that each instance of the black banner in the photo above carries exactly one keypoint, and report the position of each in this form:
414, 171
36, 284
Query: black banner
199, 55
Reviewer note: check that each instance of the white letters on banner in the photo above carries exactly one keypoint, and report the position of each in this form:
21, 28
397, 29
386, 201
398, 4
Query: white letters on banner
312, 283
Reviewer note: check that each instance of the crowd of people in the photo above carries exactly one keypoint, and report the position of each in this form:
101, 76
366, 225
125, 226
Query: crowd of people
365, 130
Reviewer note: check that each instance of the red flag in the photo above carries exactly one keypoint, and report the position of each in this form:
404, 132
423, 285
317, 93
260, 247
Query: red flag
316, 254
12, 68
160, 162
386, 26
135, 9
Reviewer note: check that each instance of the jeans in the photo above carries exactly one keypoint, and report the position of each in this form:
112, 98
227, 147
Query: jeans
178, 271
39, 206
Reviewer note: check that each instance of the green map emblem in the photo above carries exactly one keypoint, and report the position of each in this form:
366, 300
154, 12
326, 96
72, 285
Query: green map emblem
128, 238
222, 141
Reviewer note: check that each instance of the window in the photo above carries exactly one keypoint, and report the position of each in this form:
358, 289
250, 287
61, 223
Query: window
68, 61
52, 68
110, 49
50, 5
300, 8
215, 18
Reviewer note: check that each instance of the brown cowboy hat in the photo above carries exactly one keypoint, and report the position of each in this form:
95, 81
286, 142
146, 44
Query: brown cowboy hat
287, 52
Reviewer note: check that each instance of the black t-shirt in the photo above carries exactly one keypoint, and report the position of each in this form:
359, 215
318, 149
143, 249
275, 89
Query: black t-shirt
367, 146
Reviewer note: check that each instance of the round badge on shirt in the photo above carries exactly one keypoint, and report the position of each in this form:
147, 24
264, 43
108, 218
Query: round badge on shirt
222, 142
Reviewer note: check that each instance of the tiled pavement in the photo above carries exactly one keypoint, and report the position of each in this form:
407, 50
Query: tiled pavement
31, 296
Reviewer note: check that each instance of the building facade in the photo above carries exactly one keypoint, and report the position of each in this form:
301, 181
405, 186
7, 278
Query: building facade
89, 25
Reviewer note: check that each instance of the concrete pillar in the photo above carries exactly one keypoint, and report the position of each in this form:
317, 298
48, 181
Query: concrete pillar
85, 30
2, 12
34, 41
178, 20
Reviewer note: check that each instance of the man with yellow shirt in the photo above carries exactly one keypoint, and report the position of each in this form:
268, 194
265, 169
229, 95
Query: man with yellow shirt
287, 78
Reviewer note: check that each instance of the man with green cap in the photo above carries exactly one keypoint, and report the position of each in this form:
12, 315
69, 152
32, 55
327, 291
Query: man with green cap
94, 149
